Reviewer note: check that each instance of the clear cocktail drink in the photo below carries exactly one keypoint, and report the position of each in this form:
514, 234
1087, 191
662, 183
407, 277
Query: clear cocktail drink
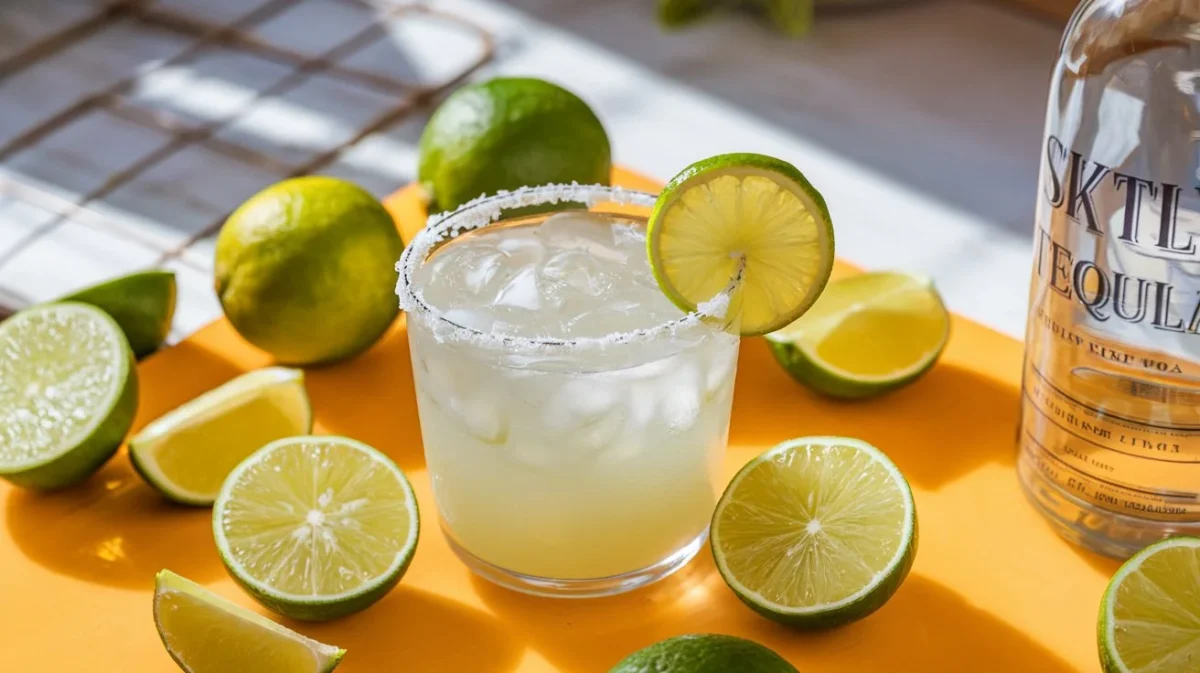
573, 418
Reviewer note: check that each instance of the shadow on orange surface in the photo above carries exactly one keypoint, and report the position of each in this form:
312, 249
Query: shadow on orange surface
944, 426
414, 630
926, 627
113, 529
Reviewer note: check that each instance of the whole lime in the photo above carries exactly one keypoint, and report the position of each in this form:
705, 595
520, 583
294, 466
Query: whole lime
705, 653
507, 133
305, 270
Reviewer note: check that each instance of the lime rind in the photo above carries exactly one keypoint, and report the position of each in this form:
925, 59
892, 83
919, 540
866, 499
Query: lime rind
742, 166
200, 410
142, 304
332, 606
861, 603
1106, 626
77, 457
795, 351
166, 581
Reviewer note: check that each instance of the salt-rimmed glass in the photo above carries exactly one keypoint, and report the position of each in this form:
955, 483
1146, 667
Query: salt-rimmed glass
567, 466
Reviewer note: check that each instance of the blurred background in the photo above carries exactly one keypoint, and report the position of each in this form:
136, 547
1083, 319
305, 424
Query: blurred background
129, 129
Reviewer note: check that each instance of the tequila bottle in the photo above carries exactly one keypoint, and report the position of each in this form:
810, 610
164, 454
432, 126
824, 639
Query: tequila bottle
1110, 419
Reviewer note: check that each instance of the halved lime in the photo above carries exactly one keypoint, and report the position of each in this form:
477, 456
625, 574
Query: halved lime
866, 335
817, 532
1150, 615
188, 452
142, 303
316, 528
704, 653
205, 633
68, 395
742, 209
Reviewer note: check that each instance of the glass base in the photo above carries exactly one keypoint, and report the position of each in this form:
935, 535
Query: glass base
1108, 533
579, 588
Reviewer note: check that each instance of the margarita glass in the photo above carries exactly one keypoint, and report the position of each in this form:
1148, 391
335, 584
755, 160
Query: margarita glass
573, 418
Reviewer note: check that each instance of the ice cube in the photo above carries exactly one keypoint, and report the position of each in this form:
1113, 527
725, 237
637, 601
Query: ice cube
477, 319
679, 403
479, 272
577, 271
482, 419
581, 231
720, 373
521, 291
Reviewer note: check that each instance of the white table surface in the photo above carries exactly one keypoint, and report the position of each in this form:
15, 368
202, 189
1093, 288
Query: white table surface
920, 125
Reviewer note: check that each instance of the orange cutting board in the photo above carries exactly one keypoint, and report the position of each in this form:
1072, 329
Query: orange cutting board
993, 589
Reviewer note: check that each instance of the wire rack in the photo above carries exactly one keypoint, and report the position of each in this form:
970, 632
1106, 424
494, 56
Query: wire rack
137, 164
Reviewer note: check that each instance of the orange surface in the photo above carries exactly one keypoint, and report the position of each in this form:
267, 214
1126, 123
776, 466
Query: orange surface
993, 589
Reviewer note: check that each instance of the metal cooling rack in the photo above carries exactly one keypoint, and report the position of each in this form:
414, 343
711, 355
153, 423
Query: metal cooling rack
129, 129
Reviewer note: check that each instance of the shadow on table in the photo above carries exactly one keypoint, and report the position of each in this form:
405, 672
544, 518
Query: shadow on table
115, 529
414, 630
944, 426
925, 627
867, 85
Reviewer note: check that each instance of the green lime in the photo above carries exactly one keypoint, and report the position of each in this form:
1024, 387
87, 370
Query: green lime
866, 335
205, 633
816, 532
305, 270
187, 453
744, 215
507, 133
143, 304
704, 653
316, 528
69, 395
1150, 615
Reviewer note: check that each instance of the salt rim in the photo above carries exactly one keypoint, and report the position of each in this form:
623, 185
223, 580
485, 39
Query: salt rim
485, 210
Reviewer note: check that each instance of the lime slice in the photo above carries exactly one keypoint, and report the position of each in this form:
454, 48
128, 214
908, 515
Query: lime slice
1150, 615
143, 304
817, 532
187, 453
68, 397
704, 653
205, 633
316, 528
735, 209
866, 335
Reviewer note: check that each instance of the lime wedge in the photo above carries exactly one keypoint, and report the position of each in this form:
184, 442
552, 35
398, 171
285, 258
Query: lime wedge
68, 397
817, 532
143, 304
205, 633
187, 453
704, 653
742, 209
316, 528
1150, 615
866, 335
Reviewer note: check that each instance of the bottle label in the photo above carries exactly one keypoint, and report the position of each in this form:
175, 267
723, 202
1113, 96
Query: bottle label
1111, 399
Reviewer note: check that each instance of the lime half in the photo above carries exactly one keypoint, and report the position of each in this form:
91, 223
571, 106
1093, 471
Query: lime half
187, 453
68, 396
866, 335
744, 215
1150, 615
817, 532
704, 653
143, 304
205, 633
316, 528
